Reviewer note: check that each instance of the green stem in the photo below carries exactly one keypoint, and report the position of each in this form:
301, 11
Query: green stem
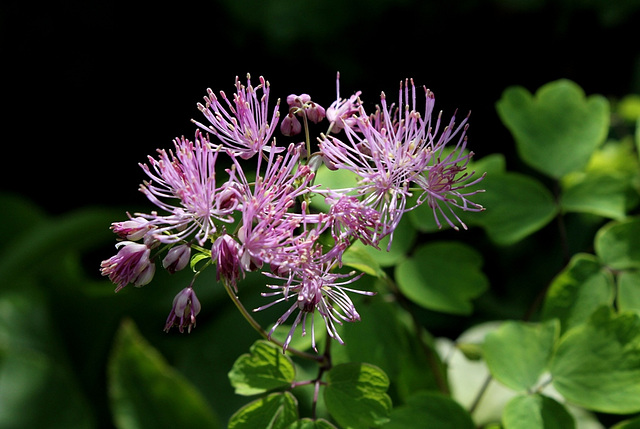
255, 325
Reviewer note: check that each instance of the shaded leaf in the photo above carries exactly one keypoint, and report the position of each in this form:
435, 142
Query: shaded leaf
516, 206
275, 411
145, 392
628, 297
307, 423
432, 410
442, 276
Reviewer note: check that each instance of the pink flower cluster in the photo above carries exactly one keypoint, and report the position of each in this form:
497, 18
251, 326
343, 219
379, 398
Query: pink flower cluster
256, 213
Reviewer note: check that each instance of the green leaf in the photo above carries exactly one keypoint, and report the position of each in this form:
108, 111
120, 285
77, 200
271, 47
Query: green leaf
517, 353
307, 423
275, 411
628, 297
536, 412
628, 424
516, 206
358, 257
442, 276
575, 293
557, 130
403, 238
332, 179
597, 365
432, 410
38, 388
264, 368
80, 229
355, 395
602, 194
145, 392
618, 244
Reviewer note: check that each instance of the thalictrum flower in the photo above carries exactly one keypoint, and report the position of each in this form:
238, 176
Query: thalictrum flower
226, 252
184, 185
184, 311
340, 112
130, 265
245, 125
313, 286
177, 258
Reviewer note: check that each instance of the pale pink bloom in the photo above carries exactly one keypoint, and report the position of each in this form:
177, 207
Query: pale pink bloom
133, 229
340, 113
245, 125
226, 252
184, 185
313, 286
177, 258
130, 265
186, 307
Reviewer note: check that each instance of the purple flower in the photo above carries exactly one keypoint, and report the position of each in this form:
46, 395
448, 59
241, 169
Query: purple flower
184, 311
177, 258
443, 180
312, 287
226, 252
244, 126
130, 265
184, 185
395, 147
351, 219
133, 229
268, 228
341, 111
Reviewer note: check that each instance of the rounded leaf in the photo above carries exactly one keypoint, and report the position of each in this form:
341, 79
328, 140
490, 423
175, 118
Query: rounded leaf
517, 353
597, 365
618, 244
557, 130
275, 411
145, 392
356, 396
575, 293
431, 410
264, 368
443, 276
536, 412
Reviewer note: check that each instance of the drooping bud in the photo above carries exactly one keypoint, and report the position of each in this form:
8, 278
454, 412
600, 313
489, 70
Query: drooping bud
177, 258
184, 311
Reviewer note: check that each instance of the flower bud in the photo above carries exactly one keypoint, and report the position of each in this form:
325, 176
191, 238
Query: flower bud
184, 311
290, 125
177, 258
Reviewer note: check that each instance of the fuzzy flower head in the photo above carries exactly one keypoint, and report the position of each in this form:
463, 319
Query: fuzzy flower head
184, 185
315, 287
392, 149
244, 125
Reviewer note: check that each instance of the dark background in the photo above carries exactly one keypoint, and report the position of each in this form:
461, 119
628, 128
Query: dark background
91, 88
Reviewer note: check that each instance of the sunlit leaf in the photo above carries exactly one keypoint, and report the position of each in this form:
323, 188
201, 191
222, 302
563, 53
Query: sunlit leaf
536, 412
264, 368
575, 293
597, 364
518, 352
618, 244
557, 129
356, 396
